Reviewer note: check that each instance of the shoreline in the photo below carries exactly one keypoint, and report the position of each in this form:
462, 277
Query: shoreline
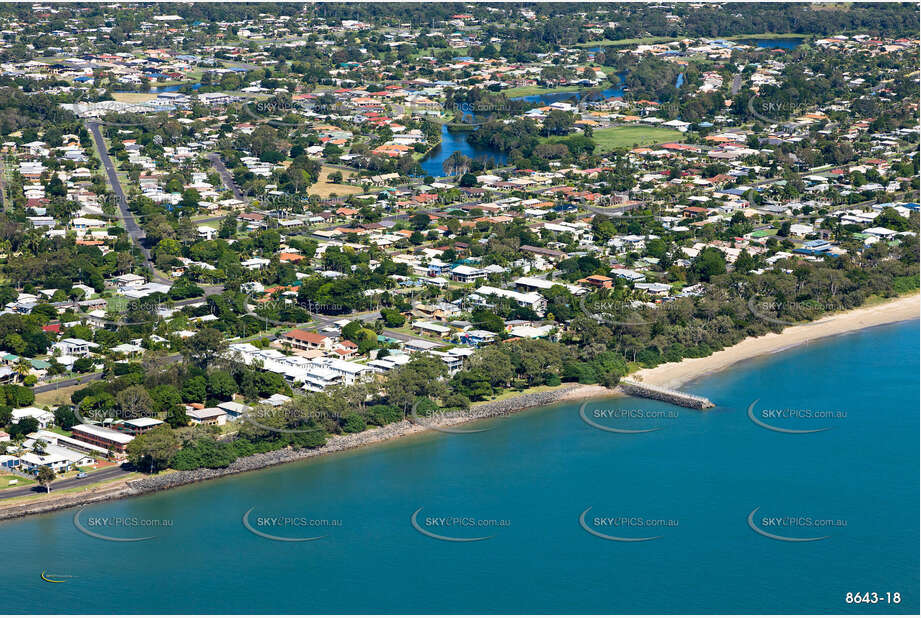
669, 375
45, 503
675, 375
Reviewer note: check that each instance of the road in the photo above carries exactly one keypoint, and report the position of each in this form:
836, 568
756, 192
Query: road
135, 232
83, 379
44, 388
108, 474
736, 83
225, 175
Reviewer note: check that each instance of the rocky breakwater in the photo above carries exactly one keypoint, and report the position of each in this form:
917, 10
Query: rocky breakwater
686, 400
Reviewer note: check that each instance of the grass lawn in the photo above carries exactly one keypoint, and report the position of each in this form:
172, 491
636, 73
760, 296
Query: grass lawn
644, 41
72, 490
20, 481
526, 91
629, 137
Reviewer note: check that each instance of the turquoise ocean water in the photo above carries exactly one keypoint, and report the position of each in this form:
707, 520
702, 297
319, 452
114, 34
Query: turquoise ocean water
524, 483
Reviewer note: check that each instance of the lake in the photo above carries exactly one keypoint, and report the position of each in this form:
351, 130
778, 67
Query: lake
791, 43
156, 89
456, 141
690, 486
451, 142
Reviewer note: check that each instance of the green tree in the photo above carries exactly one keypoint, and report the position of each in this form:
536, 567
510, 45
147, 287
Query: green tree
195, 390
135, 402
46, 476
709, 262
154, 449
205, 345
221, 385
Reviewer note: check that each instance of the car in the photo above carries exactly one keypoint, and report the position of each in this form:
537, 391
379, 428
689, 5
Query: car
81, 475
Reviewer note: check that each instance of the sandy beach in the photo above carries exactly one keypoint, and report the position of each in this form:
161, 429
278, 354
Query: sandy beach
670, 375
673, 375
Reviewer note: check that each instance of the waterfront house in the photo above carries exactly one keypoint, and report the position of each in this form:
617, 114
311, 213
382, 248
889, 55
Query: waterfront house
207, 416
109, 439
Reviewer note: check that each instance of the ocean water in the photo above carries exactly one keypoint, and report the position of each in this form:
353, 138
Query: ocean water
524, 482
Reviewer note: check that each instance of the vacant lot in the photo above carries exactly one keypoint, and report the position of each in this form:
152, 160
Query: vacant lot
630, 137
60, 396
133, 97
323, 188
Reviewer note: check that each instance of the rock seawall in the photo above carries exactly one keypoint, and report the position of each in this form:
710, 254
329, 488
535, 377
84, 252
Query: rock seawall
346, 442
335, 444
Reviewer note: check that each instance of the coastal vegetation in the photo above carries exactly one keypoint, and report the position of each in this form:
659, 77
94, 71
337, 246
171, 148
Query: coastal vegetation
597, 349
325, 210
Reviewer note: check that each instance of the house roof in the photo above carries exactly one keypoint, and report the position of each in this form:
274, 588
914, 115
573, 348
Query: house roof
306, 336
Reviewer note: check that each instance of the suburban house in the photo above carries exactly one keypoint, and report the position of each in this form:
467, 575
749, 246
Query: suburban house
207, 416
43, 417
305, 340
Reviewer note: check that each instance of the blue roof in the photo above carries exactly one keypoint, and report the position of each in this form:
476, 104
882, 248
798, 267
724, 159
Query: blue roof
811, 251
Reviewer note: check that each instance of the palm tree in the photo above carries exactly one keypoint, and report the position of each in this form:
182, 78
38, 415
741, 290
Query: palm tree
23, 368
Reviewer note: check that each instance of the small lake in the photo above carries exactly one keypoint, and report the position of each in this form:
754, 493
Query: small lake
456, 141
792, 43
157, 90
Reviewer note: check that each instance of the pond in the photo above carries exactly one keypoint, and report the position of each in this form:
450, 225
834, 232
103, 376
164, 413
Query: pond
456, 141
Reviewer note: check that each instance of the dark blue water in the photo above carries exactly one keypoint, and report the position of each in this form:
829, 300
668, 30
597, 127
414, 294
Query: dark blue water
173, 88
705, 471
775, 43
456, 141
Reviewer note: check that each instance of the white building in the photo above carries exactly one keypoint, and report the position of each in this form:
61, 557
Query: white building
43, 417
